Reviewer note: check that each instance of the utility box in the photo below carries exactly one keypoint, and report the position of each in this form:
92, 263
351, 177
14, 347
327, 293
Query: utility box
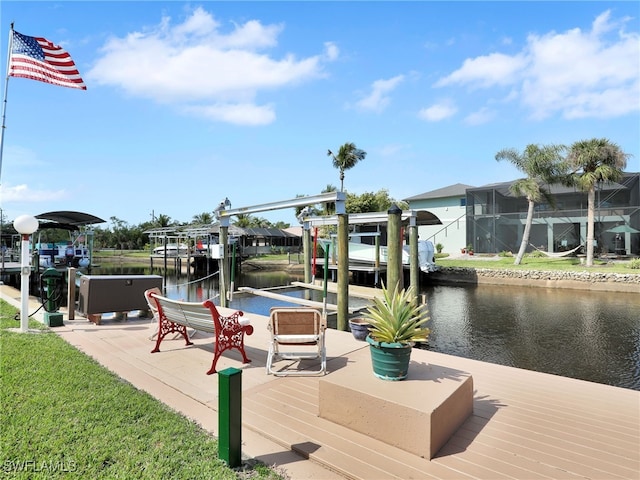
217, 251
115, 293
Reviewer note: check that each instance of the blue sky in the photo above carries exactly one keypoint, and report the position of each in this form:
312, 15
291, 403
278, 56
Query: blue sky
191, 102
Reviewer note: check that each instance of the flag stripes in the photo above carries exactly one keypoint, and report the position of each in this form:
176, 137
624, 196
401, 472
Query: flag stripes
37, 58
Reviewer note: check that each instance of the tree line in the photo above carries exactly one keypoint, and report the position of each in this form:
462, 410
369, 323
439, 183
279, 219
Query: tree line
121, 235
124, 236
583, 165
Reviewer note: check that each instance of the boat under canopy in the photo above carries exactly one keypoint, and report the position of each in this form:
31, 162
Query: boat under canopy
366, 254
77, 251
364, 251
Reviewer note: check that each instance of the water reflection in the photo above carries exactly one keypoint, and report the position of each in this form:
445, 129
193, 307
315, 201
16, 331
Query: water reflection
592, 336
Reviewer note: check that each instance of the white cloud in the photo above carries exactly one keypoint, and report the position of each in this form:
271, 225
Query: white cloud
437, 112
479, 117
24, 194
378, 99
237, 113
21, 157
197, 63
392, 150
486, 71
576, 74
331, 51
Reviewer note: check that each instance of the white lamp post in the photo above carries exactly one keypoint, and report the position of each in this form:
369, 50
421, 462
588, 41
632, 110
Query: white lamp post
25, 225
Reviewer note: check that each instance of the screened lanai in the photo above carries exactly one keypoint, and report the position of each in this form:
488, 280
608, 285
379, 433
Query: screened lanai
496, 218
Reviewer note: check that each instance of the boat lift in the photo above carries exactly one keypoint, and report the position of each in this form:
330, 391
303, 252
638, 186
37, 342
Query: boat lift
411, 218
224, 212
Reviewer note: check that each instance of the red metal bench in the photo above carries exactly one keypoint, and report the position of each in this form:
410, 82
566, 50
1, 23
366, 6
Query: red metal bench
176, 316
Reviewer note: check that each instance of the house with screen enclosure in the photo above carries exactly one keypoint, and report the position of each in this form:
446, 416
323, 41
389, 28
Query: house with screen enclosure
492, 219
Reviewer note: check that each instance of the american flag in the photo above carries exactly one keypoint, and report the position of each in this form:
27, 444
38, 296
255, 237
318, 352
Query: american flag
39, 59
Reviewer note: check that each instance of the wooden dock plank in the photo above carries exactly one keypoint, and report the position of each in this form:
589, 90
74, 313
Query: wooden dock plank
571, 458
488, 451
570, 433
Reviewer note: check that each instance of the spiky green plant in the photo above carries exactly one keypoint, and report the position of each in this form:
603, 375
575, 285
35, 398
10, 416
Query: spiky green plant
396, 318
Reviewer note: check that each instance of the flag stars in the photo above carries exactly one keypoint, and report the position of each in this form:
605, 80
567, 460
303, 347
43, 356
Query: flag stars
27, 46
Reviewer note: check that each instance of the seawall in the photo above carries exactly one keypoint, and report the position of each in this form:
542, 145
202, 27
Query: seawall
583, 280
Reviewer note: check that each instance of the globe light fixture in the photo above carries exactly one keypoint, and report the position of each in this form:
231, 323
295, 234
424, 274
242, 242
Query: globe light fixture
25, 225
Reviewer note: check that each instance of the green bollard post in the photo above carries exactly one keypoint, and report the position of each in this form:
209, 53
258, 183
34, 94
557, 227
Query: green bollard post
230, 416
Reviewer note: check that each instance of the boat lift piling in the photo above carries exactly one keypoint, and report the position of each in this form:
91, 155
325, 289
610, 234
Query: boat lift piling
394, 249
343, 270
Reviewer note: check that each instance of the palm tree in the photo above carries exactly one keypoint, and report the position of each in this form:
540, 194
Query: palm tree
203, 218
541, 165
594, 161
163, 220
347, 157
259, 222
243, 220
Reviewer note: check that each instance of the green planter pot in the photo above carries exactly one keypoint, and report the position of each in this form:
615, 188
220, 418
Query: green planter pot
390, 361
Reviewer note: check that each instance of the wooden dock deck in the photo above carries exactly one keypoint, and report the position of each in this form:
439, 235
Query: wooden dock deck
525, 425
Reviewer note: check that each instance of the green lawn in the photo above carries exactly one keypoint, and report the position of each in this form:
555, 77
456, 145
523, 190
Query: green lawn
111, 253
529, 262
65, 416
541, 263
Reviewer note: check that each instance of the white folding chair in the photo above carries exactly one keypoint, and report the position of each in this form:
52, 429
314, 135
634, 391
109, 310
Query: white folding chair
296, 334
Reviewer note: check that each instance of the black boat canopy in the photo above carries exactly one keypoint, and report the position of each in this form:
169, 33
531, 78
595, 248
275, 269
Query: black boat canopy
67, 220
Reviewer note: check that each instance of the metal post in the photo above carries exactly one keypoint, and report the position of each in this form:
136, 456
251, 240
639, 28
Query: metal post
233, 272
230, 416
376, 264
222, 262
394, 249
25, 225
414, 268
306, 248
343, 272
71, 293
25, 271
314, 254
324, 283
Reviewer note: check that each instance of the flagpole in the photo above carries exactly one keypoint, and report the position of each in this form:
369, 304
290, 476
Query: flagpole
4, 113
4, 101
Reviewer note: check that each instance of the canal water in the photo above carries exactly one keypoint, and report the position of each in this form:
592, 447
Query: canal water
587, 335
